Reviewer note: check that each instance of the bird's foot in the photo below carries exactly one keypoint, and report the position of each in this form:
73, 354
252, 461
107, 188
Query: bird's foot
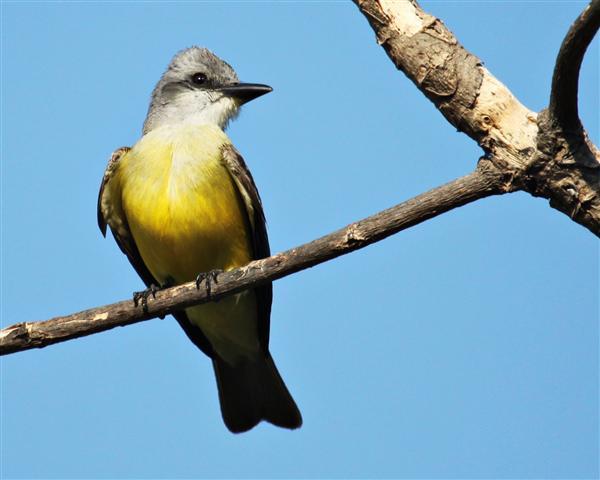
142, 297
208, 278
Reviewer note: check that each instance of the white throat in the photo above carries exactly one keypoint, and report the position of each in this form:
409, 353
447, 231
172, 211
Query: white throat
196, 108
218, 113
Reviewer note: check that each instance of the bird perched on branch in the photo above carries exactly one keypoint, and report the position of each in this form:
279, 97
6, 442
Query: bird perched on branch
182, 205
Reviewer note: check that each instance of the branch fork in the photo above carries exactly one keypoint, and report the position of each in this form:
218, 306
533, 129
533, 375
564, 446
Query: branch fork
547, 154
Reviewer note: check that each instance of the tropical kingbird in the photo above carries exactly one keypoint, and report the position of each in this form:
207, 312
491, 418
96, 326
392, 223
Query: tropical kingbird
180, 203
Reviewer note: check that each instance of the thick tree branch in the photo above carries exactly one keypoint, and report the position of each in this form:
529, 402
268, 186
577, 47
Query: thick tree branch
485, 181
464, 91
565, 81
566, 166
542, 159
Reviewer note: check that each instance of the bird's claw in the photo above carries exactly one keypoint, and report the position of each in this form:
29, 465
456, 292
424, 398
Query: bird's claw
208, 278
142, 297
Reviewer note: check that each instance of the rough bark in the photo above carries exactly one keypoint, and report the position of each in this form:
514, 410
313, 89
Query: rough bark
485, 181
543, 157
566, 168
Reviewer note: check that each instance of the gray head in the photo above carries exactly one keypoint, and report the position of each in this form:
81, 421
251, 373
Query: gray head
199, 87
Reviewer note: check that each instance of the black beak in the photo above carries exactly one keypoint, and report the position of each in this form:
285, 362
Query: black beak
245, 91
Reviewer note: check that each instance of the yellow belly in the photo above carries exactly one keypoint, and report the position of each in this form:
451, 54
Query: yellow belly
181, 204
186, 217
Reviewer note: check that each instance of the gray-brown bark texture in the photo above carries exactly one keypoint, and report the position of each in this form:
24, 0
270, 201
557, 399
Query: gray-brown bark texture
546, 154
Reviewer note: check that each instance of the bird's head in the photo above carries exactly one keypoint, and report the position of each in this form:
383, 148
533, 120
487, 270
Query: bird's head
199, 87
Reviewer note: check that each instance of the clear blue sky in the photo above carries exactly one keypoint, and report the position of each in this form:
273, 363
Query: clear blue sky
464, 347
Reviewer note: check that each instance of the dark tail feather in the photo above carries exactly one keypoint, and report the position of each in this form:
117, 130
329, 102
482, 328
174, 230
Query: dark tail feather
253, 391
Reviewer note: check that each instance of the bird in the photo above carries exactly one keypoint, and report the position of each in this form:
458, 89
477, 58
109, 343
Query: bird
182, 206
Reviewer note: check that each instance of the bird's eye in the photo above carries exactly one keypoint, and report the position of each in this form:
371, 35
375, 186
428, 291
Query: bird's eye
199, 78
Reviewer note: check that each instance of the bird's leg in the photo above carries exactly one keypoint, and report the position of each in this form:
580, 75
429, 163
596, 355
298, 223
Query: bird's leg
142, 296
151, 290
208, 278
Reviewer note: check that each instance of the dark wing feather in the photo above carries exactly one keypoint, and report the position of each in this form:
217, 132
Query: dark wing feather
119, 227
257, 225
121, 233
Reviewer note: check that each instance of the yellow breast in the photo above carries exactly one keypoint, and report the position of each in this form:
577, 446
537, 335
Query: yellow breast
181, 204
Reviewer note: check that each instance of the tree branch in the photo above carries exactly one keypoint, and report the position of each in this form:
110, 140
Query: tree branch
565, 81
483, 182
523, 151
542, 159
465, 92
566, 166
